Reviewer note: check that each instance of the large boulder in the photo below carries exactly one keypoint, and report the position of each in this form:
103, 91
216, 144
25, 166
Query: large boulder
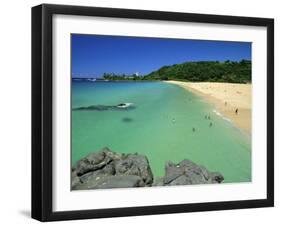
96, 161
108, 169
135, 164
187, 172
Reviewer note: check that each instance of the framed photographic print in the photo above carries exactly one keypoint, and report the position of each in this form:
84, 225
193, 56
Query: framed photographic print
145, 112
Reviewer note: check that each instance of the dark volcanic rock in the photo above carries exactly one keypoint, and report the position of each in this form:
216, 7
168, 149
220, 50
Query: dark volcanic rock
187, 172
116, 181
107, 169
216, 177
95, 161
158, 181
135, 165
124, 181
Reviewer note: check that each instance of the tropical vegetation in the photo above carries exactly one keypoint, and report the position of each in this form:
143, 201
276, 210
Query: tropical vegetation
199, 71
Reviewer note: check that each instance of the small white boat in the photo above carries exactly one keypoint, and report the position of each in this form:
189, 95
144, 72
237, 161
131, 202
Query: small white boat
124, 105
91, 79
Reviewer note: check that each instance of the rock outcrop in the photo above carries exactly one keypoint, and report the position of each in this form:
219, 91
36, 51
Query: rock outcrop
108, 169
186, 172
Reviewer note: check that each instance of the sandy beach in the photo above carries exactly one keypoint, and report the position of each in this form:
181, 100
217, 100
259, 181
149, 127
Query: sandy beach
227, 97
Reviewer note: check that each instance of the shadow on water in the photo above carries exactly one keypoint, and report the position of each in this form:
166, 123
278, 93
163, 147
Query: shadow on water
126, 119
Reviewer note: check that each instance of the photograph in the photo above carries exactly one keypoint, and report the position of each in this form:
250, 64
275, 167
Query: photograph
144, 112
152, 111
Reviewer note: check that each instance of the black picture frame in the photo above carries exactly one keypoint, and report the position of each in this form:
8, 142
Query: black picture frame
42, 111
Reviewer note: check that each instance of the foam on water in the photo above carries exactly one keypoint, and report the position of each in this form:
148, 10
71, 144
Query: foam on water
220, 115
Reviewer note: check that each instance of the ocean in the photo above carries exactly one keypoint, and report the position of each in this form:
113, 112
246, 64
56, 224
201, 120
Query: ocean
167, 123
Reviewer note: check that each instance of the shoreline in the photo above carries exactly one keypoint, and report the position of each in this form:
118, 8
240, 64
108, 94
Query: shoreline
226, 97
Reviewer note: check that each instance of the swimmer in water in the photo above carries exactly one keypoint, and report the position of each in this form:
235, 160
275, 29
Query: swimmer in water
211, 124
193, 129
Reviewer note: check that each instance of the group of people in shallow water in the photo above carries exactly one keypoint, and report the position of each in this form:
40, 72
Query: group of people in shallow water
207, 117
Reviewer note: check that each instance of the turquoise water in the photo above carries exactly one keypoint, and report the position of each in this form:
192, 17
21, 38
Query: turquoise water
160, 127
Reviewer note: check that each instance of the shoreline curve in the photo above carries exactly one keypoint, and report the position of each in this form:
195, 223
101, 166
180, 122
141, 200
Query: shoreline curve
226, 97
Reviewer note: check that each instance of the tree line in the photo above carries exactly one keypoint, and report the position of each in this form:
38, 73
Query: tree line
121, 77
199, 71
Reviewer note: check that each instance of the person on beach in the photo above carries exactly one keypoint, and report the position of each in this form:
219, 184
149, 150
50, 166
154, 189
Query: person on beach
236, 111
225, 103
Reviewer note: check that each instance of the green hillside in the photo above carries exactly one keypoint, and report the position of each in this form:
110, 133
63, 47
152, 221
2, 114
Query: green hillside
212, 71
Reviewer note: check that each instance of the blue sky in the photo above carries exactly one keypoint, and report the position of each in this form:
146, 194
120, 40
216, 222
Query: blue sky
93, 55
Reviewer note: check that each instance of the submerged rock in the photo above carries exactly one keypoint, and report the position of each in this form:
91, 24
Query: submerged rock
108, 169
122, 106
126, 119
